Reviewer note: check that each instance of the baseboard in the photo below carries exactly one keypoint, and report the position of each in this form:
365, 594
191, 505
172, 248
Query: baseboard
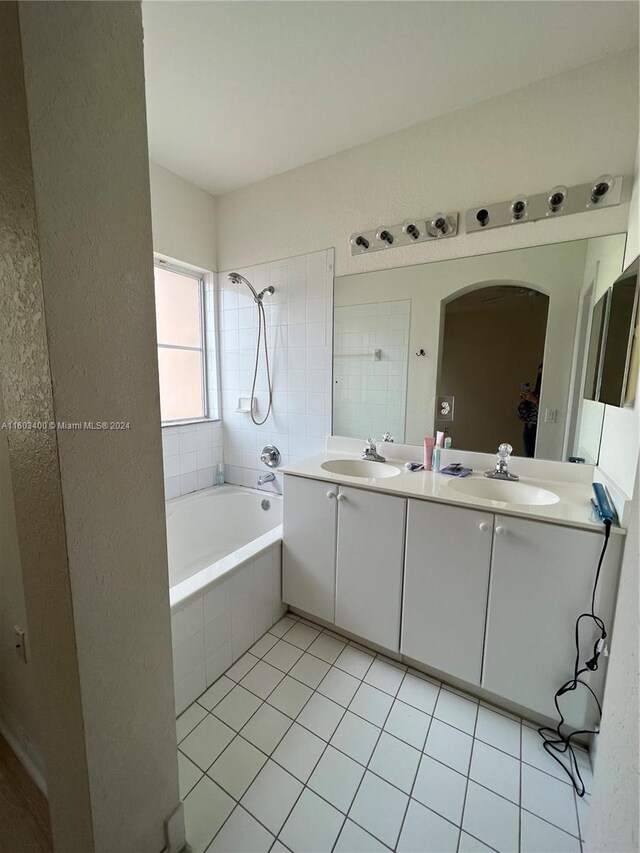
27, 755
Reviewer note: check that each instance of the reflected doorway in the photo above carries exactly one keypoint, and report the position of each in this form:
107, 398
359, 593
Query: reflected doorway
492, 348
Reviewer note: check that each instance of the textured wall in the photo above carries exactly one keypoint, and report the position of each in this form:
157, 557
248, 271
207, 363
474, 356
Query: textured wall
33, 457
85, 93
18, 695
521, 142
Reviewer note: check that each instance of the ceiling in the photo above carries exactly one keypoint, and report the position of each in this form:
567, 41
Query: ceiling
240, 91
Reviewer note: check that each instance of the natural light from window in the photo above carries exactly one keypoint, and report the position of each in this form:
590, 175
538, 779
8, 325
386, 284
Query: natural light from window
181, 357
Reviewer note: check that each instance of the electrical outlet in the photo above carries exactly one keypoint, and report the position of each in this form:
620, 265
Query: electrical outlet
20, 644
550, 416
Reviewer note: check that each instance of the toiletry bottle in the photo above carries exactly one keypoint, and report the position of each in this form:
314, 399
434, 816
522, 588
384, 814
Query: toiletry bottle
439, 438
435, 458
220, 474
447, 442
429, 444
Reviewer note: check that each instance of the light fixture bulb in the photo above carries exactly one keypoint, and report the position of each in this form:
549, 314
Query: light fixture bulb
385, 236
439, 226
600, 188
557, 198
409, 227
519, 207
359, 241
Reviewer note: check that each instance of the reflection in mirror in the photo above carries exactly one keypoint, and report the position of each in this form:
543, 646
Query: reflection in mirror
488, 349
596, 347
504, 326
619, 338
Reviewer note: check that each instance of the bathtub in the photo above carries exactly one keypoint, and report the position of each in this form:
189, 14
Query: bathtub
224, 549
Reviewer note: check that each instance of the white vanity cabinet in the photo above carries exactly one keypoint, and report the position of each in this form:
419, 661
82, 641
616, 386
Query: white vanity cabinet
342, 557
309, 546
488, 599
541, 580
446, 581
369, 560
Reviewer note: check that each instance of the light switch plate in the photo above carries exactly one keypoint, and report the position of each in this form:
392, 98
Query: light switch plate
20, 643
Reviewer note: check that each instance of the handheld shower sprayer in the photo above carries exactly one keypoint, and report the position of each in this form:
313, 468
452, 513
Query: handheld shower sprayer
236, 278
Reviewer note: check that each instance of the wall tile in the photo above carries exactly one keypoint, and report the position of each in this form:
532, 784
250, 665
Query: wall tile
187, 621
189, 688
193, 449
300, 333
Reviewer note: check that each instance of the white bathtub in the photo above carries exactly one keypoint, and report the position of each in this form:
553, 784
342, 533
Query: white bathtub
224, 546
211, 532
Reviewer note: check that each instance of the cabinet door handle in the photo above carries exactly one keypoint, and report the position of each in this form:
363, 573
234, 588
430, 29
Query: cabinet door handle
331, 495
341, 497
484, 526
501, 531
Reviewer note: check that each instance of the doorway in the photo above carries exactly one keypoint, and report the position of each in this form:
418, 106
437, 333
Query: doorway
492, 347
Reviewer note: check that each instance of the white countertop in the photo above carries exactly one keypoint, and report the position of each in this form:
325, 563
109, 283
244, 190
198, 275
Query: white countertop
574, 509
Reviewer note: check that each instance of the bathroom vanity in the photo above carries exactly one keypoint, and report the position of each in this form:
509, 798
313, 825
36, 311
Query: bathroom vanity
440, 572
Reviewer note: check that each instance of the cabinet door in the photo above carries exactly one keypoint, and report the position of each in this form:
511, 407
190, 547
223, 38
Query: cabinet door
446, 585
369, 565
309, 546
541, 581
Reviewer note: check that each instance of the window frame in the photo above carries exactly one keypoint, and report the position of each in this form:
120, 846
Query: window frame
202, 278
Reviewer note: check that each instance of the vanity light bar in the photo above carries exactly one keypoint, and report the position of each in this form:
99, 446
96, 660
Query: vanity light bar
411, 231
605, 191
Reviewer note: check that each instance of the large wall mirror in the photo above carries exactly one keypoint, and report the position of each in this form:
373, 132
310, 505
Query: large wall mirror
488, 349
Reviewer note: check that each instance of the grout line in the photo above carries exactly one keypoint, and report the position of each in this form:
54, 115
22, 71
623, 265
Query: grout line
466, 789
367, 769
304, 784
424, 744
520, 796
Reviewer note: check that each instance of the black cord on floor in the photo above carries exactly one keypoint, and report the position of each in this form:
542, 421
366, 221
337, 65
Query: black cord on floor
555, 741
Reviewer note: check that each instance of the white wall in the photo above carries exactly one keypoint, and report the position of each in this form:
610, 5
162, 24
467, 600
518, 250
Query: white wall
183, 219
565, 129
299, 316
615, 820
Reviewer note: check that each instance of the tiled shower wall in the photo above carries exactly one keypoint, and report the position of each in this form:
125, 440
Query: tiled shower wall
192, 452
299, 317
370, 369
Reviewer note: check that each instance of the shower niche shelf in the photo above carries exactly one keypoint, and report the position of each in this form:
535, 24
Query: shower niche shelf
247, 405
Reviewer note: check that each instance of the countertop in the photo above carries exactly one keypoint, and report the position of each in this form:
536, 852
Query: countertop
574, 509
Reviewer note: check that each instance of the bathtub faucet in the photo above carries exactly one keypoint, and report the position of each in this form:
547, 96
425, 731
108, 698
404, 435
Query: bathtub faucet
266, 478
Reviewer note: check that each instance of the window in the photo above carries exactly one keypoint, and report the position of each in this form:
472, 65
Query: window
181, 344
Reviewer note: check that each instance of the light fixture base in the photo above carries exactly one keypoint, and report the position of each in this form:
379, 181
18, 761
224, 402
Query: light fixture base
577, 200
366, 242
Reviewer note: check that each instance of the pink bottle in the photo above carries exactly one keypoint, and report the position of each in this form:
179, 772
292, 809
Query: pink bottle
429, 444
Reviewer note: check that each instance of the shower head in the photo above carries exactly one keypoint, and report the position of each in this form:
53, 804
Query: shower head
236, 278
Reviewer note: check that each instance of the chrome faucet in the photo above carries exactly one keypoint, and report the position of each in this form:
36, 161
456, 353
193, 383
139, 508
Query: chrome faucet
370, 452
387, 437
266, 478
501, 471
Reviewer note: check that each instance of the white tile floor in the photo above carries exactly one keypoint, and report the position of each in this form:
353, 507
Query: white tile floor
313, 743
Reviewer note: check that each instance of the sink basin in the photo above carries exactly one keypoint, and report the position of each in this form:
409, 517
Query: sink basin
360, 468
503, 491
